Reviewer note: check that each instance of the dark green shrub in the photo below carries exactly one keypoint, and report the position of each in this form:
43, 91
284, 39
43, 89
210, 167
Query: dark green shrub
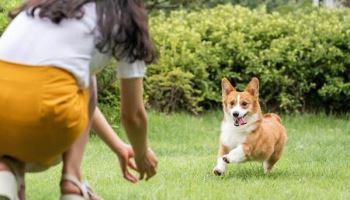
271, 5
173, 91
301, 58
108, 92
5, 7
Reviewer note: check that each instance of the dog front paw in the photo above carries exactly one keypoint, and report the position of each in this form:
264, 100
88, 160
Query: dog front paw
218, 172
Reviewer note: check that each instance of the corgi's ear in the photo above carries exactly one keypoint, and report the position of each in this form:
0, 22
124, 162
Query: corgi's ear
253, 87
226, 87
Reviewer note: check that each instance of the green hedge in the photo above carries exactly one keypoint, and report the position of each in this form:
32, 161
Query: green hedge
5, 7
271, 5
302, 59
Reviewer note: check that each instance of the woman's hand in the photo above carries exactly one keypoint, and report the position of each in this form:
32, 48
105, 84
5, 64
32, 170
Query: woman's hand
146, 164
125, 155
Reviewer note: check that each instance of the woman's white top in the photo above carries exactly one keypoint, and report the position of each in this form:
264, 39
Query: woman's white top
69, 45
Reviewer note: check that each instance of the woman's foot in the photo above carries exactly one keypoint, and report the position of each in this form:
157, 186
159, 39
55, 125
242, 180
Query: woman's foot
72, 185
69, 188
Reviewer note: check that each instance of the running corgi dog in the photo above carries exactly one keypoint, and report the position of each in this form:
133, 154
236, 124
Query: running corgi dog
246, 133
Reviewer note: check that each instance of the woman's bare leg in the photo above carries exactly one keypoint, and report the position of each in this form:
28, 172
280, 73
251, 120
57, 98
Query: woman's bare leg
73, 157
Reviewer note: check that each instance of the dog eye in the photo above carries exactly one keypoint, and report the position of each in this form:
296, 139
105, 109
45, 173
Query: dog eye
232, 103
244, 103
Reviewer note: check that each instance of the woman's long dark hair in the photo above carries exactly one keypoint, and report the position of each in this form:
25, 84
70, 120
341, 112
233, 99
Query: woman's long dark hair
122, 24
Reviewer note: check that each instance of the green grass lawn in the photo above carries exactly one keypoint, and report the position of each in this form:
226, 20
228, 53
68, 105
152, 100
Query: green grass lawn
315, 164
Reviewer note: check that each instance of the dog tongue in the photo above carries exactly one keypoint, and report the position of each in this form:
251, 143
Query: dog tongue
241, 121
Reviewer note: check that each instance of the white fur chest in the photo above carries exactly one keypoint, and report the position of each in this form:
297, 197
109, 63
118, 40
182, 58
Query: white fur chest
231, 136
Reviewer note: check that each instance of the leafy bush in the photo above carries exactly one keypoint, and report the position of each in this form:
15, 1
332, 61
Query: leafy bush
271, 5
108, 92
301, 58
5, 7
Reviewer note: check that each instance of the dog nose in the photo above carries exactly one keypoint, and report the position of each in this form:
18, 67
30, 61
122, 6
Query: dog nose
235, 114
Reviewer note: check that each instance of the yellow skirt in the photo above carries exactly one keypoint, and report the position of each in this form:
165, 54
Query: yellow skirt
42, 112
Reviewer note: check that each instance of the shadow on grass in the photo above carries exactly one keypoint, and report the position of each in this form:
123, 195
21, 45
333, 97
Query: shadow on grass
245, 174
255, 172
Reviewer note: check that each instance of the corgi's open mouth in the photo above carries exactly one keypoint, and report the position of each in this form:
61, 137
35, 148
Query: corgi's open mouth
240, 121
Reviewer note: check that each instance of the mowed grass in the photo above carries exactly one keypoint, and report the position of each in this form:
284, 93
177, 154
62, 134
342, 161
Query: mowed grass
315, 164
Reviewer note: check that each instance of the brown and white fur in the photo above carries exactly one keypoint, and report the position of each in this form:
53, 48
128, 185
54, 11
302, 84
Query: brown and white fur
247, 134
